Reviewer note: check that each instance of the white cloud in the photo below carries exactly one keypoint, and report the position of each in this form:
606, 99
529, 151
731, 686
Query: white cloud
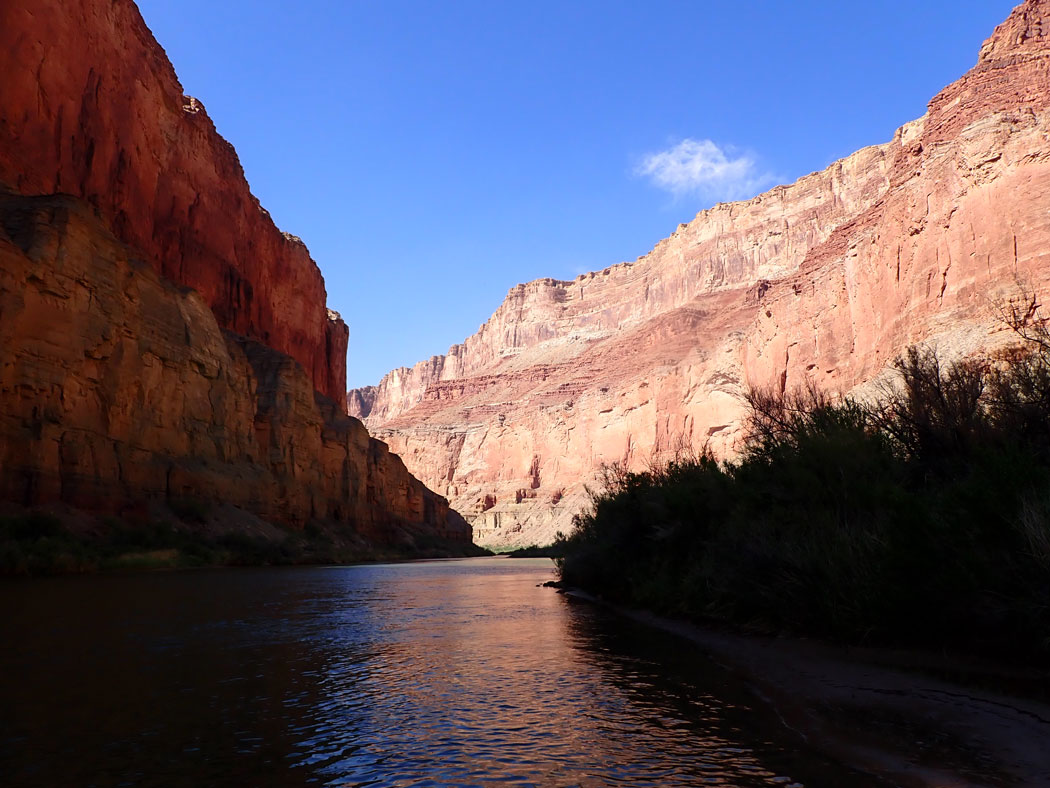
703, 167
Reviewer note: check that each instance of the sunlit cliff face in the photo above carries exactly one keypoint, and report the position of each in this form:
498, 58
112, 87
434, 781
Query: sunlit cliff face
161, 338
92, 108
822, 282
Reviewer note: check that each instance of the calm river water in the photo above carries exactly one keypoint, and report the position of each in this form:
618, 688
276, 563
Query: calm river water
445, 673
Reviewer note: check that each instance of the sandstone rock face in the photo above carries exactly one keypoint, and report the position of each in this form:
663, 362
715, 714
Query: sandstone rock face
160, 338
118, 387
824, 282
91, 107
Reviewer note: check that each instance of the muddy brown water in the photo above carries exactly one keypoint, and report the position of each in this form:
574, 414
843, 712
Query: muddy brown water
444, 673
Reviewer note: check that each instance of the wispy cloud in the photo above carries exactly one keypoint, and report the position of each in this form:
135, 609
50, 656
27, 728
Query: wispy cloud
704, 168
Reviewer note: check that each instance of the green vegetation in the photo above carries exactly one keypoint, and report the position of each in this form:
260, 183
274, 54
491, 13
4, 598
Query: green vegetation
920, 519
38, 544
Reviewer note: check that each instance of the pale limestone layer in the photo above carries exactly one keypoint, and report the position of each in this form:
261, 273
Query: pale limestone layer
825, 281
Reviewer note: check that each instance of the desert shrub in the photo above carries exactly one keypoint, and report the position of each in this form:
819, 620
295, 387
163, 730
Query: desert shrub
37, 544
935, 414
920, 518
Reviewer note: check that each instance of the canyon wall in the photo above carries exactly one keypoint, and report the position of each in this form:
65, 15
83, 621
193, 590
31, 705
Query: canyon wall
92, 107
822, 282
160, 339
119, 388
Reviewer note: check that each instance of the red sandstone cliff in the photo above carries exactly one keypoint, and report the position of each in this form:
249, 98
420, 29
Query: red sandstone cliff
159, 337
91, 107
823, 281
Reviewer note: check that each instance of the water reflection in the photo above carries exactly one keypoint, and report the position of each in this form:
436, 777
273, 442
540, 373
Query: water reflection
435, 673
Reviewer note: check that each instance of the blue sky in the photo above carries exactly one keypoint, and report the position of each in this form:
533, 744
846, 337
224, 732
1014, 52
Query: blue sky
434, 154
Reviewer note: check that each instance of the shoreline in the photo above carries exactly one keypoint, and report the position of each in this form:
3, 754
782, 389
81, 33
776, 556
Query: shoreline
905, 727
61, 541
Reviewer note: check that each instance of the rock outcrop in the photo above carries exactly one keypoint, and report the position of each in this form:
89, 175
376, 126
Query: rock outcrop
822, 282
119, 387
91, 107
160, 338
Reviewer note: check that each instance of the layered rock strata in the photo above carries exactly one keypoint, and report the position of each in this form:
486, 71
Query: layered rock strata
91, 107
160, 338
822, 282
119, 388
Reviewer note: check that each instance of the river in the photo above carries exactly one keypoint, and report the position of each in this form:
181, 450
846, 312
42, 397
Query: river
436, 673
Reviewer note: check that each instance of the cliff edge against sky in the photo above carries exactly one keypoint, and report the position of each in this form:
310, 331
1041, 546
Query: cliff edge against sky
93, 108
821, 282
160, 338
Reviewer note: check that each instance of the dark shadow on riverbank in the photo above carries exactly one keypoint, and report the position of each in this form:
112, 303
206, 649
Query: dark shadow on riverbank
186, 535
893, 714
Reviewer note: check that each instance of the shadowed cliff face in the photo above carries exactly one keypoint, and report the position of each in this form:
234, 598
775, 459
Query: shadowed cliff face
823, 282
118, 387
91, 107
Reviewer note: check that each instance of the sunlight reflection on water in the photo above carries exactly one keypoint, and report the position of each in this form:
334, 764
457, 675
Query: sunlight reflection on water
457, 673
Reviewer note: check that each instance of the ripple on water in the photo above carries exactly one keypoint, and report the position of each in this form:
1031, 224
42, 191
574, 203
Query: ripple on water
433, 674
481, 688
